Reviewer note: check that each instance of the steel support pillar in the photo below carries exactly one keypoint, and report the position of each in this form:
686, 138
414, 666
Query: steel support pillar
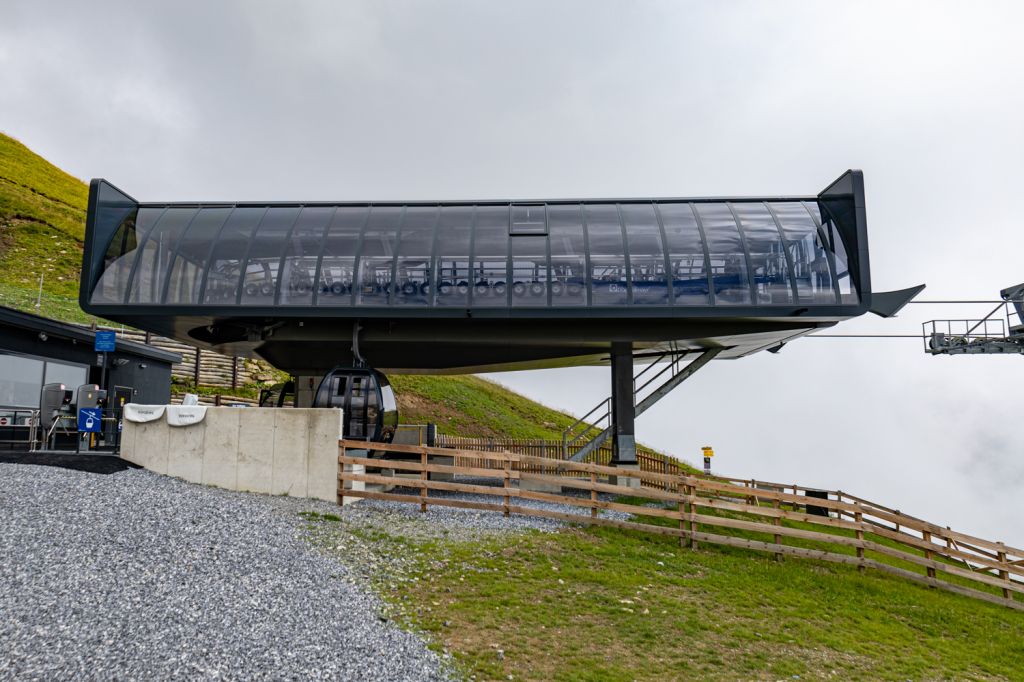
623, 406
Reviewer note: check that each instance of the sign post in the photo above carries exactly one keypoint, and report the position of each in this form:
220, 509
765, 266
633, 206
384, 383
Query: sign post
90, 419
105, 342
708, 454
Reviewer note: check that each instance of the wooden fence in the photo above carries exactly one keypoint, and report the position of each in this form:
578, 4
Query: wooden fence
753, 515
649, 460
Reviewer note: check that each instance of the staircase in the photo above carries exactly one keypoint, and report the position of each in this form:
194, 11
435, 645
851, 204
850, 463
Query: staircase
674, 370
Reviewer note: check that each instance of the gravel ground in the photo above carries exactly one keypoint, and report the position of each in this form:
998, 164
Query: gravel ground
458, 524
139, 575
135, 575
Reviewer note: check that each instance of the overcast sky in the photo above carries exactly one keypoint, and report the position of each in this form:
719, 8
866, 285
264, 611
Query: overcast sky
461, 100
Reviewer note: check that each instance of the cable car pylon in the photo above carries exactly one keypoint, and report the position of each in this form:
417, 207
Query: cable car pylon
997, 332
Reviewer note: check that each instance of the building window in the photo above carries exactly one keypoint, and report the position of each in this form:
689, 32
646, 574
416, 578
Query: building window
528, 219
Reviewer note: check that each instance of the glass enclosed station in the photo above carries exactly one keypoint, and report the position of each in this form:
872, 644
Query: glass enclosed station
472, 286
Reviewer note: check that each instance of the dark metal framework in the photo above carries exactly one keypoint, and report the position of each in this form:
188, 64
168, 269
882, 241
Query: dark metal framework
231, 275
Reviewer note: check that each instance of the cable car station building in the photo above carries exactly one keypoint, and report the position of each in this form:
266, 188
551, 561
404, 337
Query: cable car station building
480, 286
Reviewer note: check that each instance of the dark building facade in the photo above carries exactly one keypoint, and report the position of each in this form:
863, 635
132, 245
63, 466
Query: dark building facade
36, 350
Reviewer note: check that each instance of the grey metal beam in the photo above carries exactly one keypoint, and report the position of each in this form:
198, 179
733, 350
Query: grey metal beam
691, 368
670, 383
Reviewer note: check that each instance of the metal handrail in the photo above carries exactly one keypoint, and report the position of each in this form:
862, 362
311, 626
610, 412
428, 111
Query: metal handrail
566, 441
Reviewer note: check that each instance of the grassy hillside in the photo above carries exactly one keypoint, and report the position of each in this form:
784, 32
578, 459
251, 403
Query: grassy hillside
42, 225
605, 604
471, 406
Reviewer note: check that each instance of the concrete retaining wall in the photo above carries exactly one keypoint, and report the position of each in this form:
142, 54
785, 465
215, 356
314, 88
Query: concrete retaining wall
285, 451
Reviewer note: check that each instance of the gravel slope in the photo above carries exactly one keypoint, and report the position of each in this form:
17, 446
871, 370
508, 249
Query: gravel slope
137, 575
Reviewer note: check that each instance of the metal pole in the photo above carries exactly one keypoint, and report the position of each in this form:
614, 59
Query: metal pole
623, 405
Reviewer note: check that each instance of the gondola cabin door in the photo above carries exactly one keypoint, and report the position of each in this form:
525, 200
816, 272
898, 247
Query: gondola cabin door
366, 398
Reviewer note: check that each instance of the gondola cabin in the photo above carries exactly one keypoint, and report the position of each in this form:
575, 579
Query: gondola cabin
370, 411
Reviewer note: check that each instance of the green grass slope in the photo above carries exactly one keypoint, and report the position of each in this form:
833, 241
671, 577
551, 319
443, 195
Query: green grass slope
604, 604
42, 225
475, 407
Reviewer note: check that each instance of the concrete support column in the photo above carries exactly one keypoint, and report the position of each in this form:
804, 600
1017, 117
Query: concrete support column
623, 407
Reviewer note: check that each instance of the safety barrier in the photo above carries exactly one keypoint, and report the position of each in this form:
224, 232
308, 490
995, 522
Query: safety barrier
753, 515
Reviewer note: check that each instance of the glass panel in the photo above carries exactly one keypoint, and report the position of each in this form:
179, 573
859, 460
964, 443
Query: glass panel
20, 381
265, 255
847, 291
225, 269
568, 256
387, 399
193, 249
490, 257
453, 233
529, 271
607, 256
685, 254
72, 376
298, 272
414, 250
377, 254
153, 268
646, 254
112, 286
810, 261
767, 254
528, 219
337, 269
728, 262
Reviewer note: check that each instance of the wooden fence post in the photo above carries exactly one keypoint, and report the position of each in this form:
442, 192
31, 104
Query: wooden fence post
928, 554
682, 513
691, 493
341, 475
858, 518
778, 522
593, 495
1005, 575
507, 467
423, 478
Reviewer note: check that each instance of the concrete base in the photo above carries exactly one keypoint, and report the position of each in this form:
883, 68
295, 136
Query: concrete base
626, 481
539, 486
353, 485
288, 451
444, 461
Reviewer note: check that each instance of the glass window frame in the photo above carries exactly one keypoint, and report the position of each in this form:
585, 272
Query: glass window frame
254, 240
160, 286
435, 222
287, 253
513, 232
829, 252
364, 219
177, 251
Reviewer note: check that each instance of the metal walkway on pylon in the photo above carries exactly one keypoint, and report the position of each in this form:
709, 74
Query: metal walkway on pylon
995, 333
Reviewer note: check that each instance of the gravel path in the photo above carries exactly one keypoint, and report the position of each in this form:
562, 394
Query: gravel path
458, 524
135, 575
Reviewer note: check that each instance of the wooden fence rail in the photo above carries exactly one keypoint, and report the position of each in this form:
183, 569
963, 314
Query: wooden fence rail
754, 515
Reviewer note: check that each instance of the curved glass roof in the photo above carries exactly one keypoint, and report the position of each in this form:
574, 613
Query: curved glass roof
785, 252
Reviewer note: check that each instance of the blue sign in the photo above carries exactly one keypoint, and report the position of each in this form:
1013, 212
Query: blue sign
105, 342
90, 419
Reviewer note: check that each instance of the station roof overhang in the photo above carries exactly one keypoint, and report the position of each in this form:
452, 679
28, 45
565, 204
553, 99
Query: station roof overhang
55, 330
